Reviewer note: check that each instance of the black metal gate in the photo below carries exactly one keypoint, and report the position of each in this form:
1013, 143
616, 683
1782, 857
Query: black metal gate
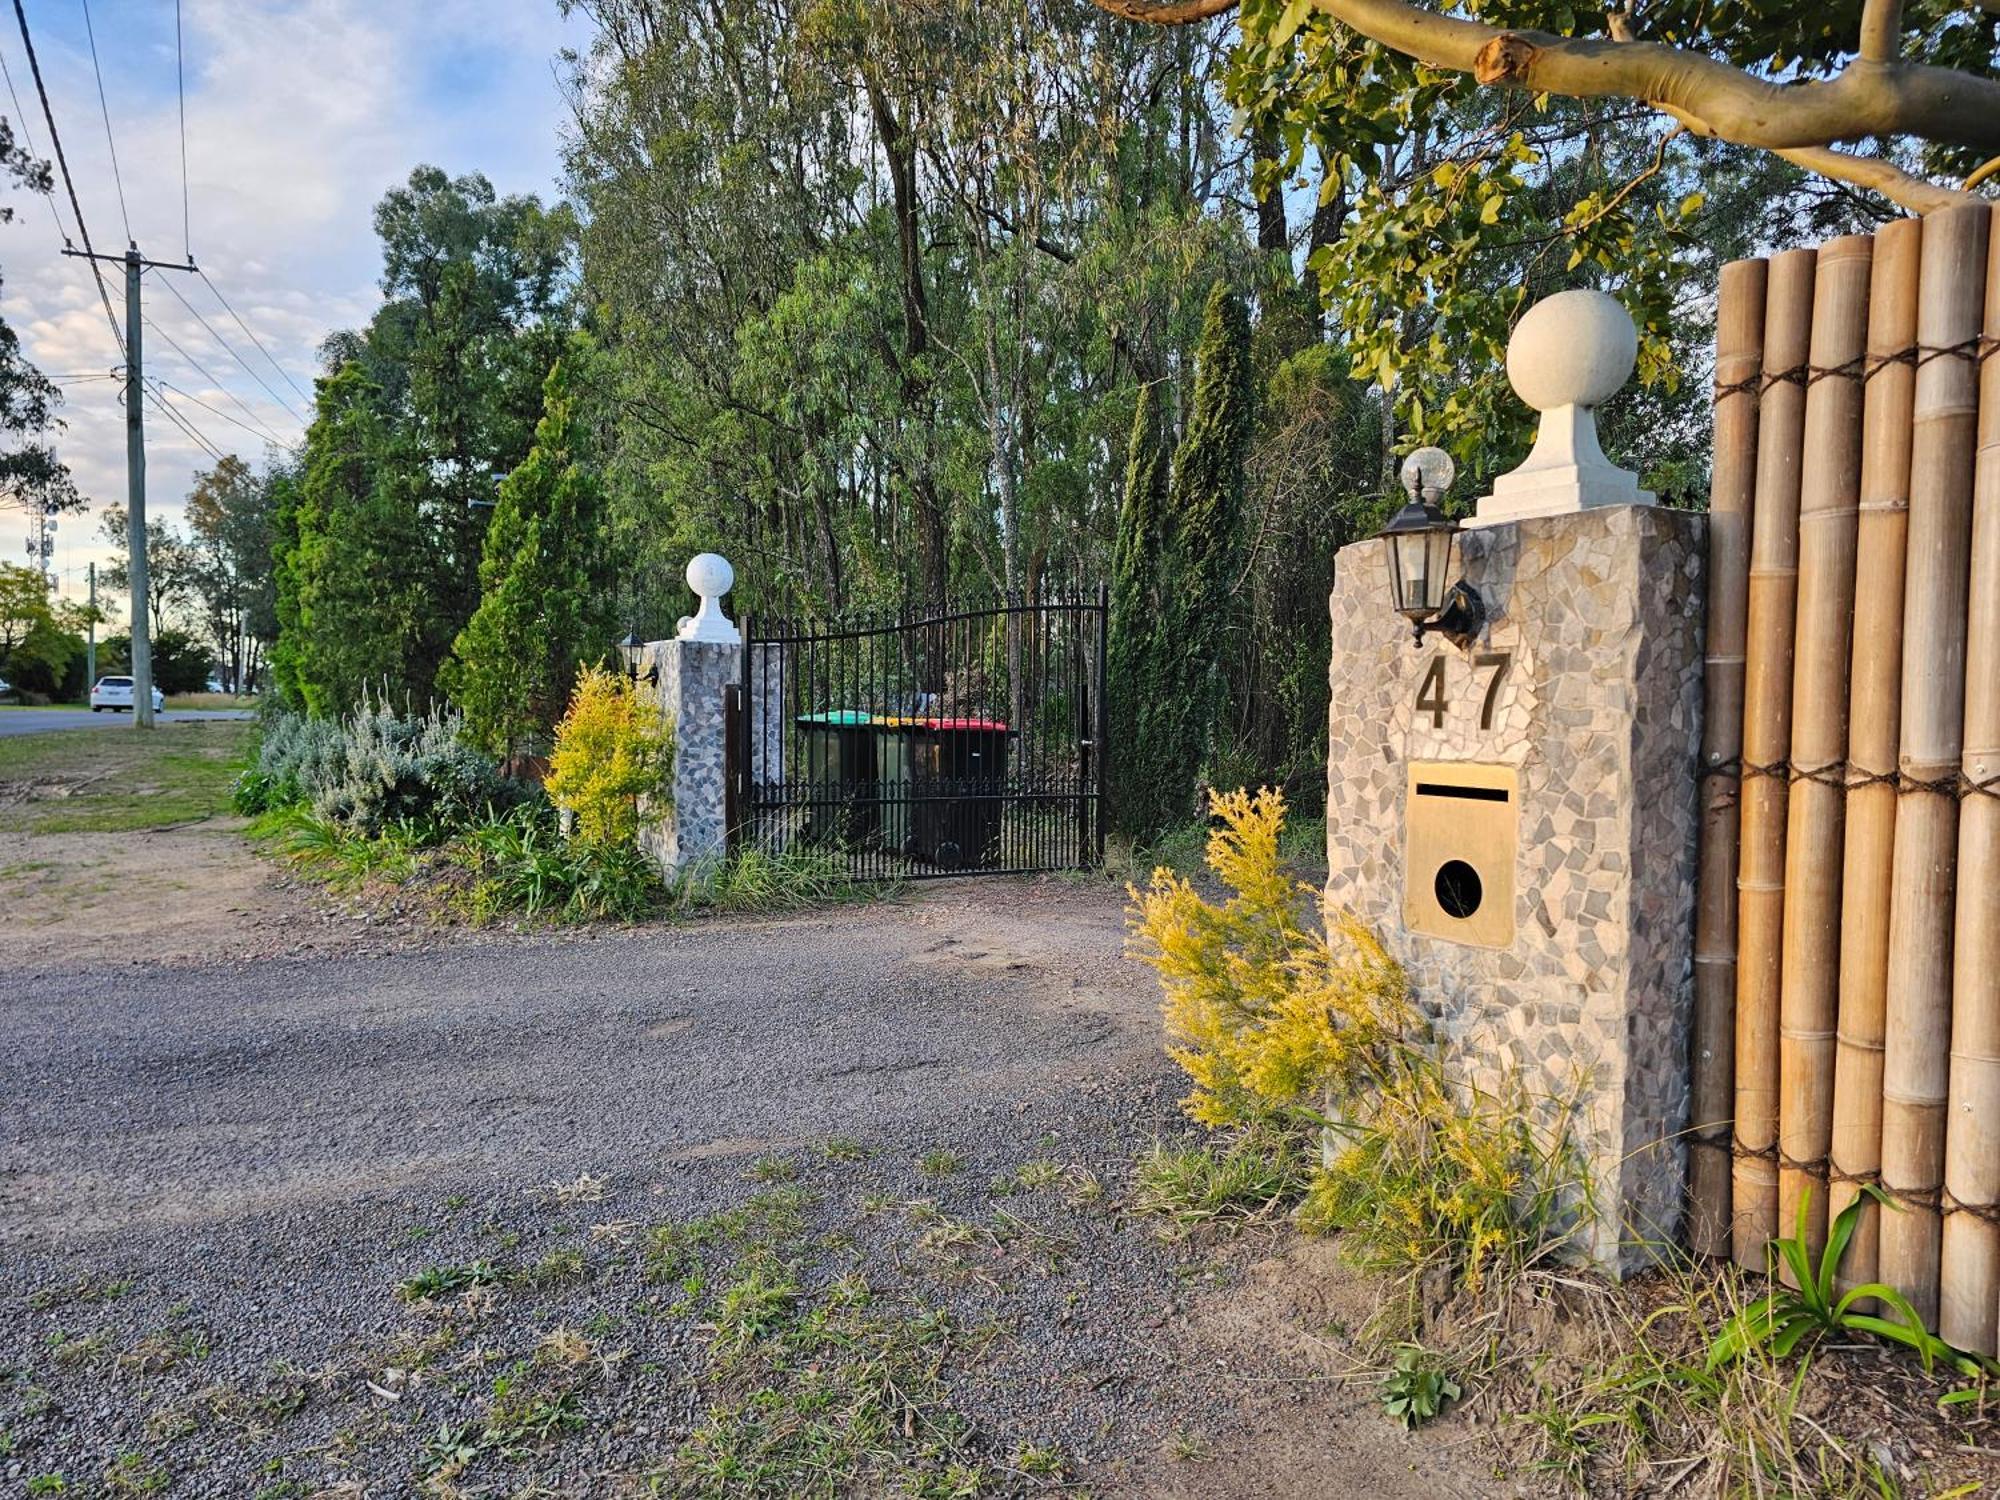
954, 741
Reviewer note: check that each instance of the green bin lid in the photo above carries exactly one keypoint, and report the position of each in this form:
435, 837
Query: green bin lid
846, 717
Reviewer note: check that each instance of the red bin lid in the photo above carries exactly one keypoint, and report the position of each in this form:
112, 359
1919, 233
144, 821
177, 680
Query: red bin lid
965, 724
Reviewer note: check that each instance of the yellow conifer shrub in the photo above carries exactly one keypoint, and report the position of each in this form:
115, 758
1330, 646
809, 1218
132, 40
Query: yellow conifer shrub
611, 747
1277, 1023
1262, 1011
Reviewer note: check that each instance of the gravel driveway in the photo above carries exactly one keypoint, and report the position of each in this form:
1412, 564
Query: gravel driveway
214, 1177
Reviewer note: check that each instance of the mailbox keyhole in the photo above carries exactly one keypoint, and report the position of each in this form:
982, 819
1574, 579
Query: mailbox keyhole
1458, 887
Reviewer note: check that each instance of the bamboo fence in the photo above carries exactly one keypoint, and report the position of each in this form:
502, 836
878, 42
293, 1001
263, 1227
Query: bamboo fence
1739, 358
1829, 499
1916, 1051
1847, 930
1969, 1269
1875, 696
1767, 726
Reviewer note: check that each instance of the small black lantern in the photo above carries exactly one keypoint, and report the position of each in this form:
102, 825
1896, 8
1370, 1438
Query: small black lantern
631, 649
1420, 537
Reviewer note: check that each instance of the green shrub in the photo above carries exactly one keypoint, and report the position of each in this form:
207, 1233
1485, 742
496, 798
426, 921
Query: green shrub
374, 769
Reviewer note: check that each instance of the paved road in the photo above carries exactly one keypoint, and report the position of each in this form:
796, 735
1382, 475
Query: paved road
40, 720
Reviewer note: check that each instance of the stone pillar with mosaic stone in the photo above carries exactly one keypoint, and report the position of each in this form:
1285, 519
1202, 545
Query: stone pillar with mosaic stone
1516, 816
691, 675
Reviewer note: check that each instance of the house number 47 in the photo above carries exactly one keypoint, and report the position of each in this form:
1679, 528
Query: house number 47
1431, 691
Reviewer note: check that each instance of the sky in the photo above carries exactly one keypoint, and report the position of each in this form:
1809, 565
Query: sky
300, 114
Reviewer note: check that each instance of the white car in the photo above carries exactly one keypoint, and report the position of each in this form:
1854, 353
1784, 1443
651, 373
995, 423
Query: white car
115, 693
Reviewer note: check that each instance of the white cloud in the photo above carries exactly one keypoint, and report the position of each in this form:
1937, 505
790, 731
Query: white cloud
300, 114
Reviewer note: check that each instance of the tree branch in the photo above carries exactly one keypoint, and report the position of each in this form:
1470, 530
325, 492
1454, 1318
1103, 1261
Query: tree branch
1882, 30
1873, 96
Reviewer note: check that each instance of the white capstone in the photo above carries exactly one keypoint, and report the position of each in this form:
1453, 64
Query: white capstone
710, 576
1568, 354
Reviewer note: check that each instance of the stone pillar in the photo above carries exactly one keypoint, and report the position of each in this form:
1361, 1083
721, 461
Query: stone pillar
693, 677
1555, 761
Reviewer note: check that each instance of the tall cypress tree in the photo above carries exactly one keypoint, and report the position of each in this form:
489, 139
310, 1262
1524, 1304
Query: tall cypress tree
545, 589
1174, 568
1204, 553
1140, 780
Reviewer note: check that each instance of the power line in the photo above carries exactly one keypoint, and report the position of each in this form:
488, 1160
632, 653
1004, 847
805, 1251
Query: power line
28, 139
76, 208
180, 83
232, 352
253, 337
194, 434
105, 105
262, 434
207, 374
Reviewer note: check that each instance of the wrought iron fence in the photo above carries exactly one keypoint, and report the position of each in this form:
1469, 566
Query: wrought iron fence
952, 741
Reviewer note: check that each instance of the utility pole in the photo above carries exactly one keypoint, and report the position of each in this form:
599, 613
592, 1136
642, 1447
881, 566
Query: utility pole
90, 638
136, 266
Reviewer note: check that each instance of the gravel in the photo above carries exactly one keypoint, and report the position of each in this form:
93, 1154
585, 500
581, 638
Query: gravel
265, 1149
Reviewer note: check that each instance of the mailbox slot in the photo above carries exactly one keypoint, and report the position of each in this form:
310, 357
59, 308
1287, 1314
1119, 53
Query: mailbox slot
1461, 836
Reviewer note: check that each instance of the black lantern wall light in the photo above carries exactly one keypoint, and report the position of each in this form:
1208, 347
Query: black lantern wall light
1420, 538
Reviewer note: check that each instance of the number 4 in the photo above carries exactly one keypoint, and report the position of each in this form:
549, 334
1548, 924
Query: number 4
1430, 695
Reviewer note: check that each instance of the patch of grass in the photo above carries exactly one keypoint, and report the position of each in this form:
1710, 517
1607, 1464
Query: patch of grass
842, 1148
119, 780
1253, 1176
84, 1289
940, 1163
557, 1268
771, 1169
135, 1474
441, 1281
755, 881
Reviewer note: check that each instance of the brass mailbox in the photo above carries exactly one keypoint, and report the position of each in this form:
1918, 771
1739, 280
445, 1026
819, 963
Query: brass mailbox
1461, 833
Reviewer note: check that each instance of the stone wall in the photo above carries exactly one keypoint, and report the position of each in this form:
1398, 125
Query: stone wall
1598, 712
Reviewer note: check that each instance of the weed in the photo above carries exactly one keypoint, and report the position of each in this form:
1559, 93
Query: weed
1038, 1463
135, 1474
771, 1169
1418, 1388
750, 1307
1187, 1447
557, 1268
1038, 1173
438, 1281
562, 1346
1788, 1315
940, 1163
78, 1349
843, 1149
48, 1484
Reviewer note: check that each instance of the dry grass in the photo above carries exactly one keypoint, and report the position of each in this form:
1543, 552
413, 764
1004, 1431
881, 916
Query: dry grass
213, 700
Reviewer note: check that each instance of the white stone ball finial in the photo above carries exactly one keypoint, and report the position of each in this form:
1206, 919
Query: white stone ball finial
710, 576
1573, 349
1569, 353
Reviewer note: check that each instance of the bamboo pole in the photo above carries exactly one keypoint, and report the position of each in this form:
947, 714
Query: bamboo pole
1875, 694
1739, 361
1969, 1267
1915, 1058
1829, 494
1767, 735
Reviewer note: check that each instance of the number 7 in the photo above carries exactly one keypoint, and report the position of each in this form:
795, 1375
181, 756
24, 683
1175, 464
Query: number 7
1499, 661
